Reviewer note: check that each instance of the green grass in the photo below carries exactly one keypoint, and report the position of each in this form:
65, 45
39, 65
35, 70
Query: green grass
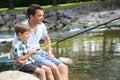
47, 7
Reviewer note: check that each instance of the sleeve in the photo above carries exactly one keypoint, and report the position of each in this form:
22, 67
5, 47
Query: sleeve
17, 52
15, 40
45, 32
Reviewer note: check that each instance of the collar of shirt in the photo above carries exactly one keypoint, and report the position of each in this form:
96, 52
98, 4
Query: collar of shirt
24, 42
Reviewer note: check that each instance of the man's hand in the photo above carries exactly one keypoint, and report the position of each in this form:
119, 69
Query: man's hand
50, 55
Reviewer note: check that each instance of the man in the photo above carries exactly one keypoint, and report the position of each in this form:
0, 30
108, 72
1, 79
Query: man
38, 30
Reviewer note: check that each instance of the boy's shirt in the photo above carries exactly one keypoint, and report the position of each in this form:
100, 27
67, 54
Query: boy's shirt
21, 49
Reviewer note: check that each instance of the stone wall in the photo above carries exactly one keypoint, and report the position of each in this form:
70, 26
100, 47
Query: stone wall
60, 18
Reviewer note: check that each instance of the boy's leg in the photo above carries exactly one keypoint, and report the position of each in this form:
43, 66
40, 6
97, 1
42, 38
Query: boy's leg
33, 68
48, 72
41, 73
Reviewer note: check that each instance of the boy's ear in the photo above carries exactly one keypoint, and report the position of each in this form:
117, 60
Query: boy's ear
19, 34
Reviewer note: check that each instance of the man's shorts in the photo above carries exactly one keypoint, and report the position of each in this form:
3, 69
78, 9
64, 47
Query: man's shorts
30, 68
43, 58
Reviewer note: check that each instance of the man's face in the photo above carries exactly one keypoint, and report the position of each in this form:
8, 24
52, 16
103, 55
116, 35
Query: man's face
39, 16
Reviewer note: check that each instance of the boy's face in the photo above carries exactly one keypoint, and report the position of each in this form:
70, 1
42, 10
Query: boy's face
25, 36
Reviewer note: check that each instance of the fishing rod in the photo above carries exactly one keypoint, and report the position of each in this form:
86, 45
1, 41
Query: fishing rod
83, 31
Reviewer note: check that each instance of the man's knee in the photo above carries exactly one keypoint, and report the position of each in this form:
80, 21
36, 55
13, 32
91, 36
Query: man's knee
62, 67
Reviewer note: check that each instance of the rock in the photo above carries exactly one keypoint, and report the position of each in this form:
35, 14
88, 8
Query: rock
66, 60
20, 17
5, 28
2, 22
59, 26
16, 75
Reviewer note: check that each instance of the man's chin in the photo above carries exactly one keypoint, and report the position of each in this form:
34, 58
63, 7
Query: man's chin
40, 23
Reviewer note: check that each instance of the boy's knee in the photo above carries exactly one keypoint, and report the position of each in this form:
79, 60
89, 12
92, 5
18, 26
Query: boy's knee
41, 71
48, 70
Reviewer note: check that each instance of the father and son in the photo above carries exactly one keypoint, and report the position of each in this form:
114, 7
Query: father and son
26, 48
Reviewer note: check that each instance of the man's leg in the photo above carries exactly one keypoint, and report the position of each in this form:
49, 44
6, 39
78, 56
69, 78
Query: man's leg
53, 63
56, 72
39, 57
63, 69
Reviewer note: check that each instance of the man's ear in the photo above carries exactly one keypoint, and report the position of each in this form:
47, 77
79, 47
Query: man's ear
31, 16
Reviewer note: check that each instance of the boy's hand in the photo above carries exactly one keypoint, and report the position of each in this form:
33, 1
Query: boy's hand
20, 62
33, 51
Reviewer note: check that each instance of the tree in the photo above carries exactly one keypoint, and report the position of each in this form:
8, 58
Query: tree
10, 4
54, 2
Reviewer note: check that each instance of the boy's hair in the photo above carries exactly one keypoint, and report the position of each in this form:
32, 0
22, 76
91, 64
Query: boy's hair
21, 28
32, 9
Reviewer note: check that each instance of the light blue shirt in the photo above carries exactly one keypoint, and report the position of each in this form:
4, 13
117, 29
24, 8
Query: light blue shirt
21, 49
35, 37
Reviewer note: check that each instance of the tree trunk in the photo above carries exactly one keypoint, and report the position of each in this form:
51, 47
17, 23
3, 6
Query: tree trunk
10, 6
54, 2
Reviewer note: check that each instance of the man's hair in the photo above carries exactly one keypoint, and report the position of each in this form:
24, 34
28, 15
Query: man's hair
21, 28
32, 9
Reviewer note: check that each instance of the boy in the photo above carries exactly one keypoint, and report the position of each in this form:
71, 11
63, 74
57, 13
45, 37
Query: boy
22, 52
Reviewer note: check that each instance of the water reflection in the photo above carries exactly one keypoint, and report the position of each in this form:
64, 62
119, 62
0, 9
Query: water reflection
95, 58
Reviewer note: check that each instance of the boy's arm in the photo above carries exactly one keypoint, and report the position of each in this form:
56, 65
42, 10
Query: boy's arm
17, 62
21, 61
11, 53
27, 55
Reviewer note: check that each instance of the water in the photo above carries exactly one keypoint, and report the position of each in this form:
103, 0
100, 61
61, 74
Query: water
5, 46
96, 56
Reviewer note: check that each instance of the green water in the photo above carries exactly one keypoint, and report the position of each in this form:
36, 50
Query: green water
96, 57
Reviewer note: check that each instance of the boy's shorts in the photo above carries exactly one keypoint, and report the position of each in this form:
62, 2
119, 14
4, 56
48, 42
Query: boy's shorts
30, 68
42, 57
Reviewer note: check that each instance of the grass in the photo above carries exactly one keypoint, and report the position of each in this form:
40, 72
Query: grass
47, 7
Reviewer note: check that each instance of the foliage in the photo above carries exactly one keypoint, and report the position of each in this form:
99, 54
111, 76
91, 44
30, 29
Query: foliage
25, 3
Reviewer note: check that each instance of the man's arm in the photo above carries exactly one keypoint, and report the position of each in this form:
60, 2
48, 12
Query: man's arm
48, 42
